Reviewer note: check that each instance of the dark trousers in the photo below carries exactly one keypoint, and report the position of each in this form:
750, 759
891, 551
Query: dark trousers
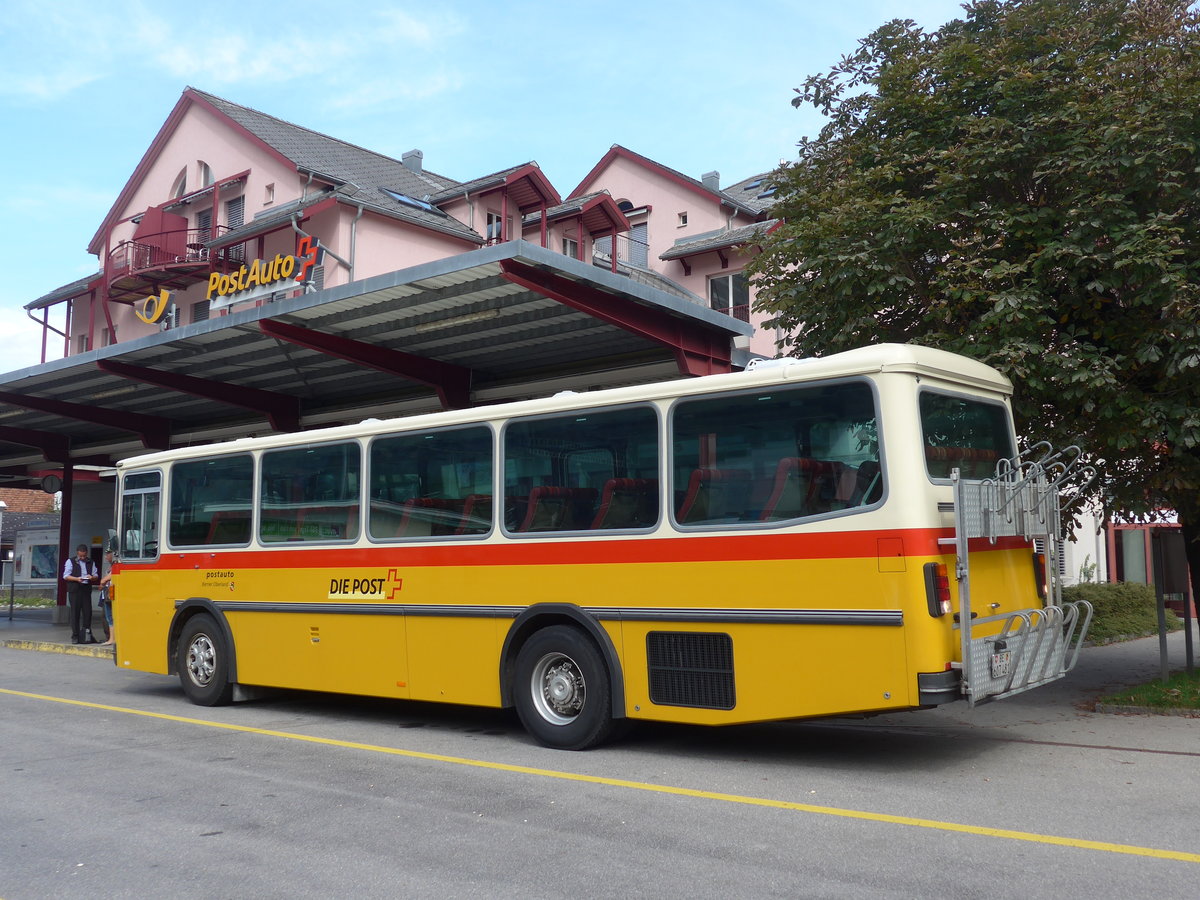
81, 611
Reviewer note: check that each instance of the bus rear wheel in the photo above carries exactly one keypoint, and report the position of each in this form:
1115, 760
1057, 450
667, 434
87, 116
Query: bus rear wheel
562, 694
203, 662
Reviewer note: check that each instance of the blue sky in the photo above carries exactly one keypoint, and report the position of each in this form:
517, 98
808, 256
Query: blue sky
477, 86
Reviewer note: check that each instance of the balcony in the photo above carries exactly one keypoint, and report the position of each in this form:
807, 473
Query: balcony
174, 259
630, 252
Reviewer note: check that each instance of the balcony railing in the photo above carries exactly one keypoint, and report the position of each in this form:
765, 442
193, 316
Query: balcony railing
166, 249
629, 251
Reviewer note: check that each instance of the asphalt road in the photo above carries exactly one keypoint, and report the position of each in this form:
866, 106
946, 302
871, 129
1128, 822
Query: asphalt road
112, 785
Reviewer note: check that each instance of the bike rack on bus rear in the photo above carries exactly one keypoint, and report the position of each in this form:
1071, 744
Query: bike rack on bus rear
1026, 499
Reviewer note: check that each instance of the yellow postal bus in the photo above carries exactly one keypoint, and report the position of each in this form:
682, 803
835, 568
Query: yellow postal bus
851, 534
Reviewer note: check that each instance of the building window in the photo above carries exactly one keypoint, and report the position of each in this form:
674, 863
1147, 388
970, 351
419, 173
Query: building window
639, 245
200, 310
235, 216
730, 294
495, 227
106, 337
81, 343
235, 212
682, 219
203, 225
180, 187
204, 173
570, 247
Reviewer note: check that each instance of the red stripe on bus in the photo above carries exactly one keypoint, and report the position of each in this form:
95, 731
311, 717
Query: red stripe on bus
922, 542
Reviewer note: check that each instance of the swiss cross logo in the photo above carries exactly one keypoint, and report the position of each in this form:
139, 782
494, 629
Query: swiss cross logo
392, 585
306, 252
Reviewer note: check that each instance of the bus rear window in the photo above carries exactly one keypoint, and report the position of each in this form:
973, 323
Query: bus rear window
964, 433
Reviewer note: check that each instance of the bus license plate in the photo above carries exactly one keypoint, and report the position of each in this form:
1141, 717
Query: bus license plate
1001, 662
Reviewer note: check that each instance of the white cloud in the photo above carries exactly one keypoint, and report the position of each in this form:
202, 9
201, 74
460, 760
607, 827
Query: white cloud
379, 93
398, 24
232, 58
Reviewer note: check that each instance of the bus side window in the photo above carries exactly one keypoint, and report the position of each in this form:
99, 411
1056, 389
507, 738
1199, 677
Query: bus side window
211, 501
431, 484
310, 493
768, 457
587, 470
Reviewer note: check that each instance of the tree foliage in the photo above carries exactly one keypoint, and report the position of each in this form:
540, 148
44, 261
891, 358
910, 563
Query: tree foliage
1021, 186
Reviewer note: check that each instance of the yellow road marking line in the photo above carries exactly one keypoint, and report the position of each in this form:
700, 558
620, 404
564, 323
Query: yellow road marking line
1005, 833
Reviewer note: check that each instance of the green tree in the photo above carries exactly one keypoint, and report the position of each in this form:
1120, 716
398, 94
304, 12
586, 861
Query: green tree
1021, 186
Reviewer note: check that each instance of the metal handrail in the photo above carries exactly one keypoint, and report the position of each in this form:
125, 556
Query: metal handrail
177, 246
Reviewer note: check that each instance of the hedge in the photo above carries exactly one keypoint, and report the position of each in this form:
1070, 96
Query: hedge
1123, 609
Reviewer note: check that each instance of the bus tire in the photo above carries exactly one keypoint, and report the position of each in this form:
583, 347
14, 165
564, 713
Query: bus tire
203, 662
561, 689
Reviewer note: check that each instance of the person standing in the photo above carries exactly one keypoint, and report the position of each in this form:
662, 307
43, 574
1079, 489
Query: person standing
106, 596
81, 575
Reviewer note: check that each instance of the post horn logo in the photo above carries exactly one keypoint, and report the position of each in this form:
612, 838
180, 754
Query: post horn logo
153, 307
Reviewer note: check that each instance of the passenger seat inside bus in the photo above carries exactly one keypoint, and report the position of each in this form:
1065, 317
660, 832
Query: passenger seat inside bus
627, 503
868, 485
972, 462
803, 487
558, 509
229, 526
476, 515
715, 495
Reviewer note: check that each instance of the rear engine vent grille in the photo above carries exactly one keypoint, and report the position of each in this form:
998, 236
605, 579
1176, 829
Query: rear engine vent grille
690, 669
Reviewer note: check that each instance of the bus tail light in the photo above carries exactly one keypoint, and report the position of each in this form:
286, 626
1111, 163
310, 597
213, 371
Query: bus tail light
1039, 574
937, 588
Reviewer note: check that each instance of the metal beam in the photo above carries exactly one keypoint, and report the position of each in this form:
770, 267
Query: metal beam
54, 447
698, 350
154, 431
452, 383
281, 410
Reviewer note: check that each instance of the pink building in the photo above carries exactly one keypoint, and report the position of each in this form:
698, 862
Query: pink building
230, 207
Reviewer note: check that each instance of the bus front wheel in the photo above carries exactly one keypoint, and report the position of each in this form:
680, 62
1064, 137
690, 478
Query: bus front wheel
203, 662
562, 695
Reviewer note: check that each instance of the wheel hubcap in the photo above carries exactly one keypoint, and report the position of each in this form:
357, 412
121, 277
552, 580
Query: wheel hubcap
558, 689
201, 660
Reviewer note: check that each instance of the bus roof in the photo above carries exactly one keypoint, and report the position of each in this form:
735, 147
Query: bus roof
926, 362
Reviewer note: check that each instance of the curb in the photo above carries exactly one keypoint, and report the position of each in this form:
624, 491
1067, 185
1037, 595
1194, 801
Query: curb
1114, 709
93, 650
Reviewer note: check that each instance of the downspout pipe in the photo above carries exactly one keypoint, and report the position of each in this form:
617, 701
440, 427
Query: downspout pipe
354, 239
295, 220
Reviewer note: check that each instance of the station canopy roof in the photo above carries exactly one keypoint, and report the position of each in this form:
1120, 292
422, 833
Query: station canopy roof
505, 322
